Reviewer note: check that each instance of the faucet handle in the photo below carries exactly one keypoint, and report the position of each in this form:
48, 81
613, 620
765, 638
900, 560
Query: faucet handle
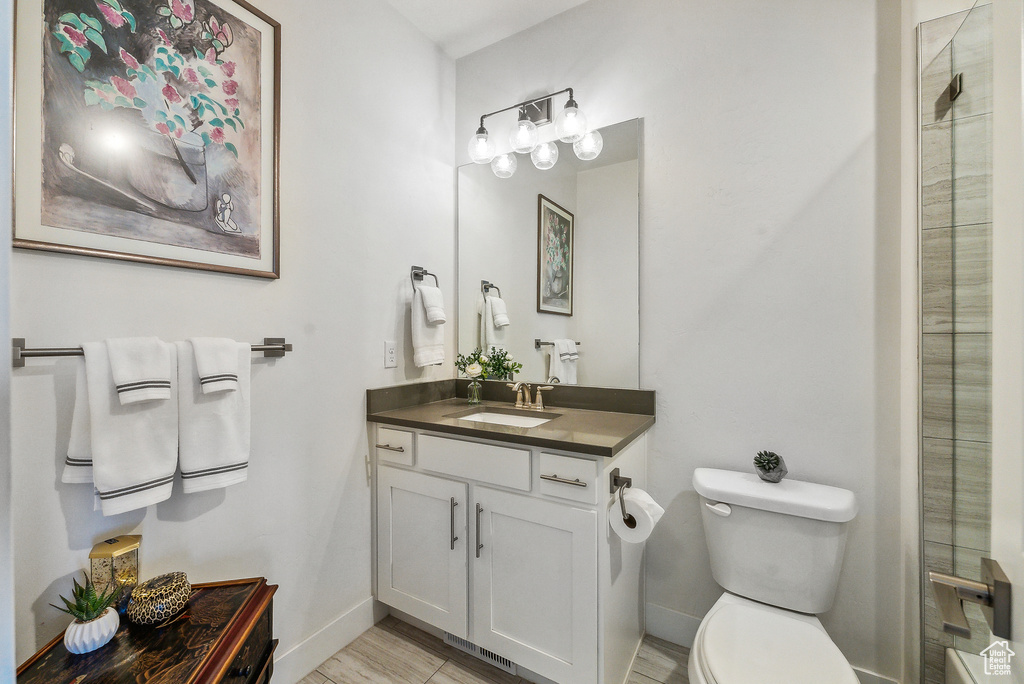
539, 401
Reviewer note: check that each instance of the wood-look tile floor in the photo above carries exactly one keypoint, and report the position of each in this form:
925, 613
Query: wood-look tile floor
394, 652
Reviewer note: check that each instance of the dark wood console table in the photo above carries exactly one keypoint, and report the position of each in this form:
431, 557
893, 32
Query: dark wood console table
224, 635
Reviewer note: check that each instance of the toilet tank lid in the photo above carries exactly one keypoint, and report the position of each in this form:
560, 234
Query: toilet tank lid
789, 497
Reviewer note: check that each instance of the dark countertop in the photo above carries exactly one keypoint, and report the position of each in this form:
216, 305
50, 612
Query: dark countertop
595, 433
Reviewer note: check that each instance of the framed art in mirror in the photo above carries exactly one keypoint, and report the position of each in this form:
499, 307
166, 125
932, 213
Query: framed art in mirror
554, 257
149, 132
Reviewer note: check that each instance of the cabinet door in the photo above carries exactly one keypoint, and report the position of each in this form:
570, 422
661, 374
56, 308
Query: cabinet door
534, 592
421, 547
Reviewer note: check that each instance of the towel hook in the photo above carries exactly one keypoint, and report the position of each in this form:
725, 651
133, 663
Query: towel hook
619, 483
417, 273
486, 286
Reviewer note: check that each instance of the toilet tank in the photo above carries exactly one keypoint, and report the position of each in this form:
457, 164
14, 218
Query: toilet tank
780, 544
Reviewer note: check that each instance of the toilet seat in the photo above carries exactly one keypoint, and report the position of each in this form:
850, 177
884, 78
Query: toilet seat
741, 643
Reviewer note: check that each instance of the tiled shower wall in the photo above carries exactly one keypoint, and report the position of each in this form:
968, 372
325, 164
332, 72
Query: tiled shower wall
956, 320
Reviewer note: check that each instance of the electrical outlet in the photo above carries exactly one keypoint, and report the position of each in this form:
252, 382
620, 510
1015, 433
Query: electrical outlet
390, 354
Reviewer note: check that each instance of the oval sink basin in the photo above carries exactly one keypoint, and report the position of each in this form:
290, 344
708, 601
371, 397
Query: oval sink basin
522, 419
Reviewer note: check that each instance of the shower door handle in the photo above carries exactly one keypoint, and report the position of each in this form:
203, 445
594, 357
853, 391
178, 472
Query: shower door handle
993, 594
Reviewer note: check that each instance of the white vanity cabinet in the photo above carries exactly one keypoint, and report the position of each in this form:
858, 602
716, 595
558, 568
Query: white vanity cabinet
508, 547
421, 549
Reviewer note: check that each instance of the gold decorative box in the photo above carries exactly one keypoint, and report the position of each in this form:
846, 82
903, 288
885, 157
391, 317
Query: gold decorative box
156, 601
115, 561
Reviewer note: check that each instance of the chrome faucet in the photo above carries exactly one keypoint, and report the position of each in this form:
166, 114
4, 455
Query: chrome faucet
522, 390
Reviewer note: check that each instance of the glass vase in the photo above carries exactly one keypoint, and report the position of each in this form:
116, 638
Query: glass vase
474, 391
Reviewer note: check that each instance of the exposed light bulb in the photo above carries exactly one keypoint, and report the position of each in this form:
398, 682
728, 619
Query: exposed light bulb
589, 146
504, 165
545, 155
481, 147
524, 136
570, 123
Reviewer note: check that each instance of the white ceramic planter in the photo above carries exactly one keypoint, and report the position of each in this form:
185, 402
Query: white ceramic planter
83, 637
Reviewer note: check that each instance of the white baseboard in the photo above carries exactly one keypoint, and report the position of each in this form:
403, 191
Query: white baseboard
670, 625
306, 656
866, 677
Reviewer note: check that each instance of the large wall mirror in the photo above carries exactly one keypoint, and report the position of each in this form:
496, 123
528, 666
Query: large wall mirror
499, 242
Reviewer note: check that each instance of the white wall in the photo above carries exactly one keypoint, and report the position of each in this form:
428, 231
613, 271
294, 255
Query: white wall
606, 275
7, 660
770, 257
366, 191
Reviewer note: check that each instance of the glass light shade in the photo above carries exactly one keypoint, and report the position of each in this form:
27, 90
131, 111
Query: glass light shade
504, 165
544, 155
589, 146
524, 136
481, 147
570, 124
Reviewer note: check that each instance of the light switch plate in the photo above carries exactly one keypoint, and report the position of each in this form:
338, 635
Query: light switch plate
390, 354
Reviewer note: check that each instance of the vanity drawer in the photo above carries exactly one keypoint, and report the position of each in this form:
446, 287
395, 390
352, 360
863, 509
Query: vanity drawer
568, 478
394, 446
497, 465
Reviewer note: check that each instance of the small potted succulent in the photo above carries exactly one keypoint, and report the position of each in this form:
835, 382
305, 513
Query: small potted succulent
96, 621
770, 466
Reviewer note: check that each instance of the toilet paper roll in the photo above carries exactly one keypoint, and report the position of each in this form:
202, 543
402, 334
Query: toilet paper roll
645, 511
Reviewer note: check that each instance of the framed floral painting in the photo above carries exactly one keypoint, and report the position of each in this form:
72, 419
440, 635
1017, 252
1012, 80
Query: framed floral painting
554, 258
147, 130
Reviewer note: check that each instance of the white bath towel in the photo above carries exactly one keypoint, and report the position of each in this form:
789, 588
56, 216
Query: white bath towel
499, 312
213, 429
78, 464
490, 335
134, 447
427, 339
562, 364
139, 366
216, 363
433, 303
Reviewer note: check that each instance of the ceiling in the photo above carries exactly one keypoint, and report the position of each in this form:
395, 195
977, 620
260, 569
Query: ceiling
464, 26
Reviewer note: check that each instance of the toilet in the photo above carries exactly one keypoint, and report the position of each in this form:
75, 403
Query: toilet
777, 550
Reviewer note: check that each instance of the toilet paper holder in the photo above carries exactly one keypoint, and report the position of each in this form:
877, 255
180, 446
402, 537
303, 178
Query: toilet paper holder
617, 484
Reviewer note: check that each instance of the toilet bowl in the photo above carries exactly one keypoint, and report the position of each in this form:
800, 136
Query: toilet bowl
745, 642
776, 549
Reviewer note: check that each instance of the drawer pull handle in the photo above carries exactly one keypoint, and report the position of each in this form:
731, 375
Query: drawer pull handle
555, 478
242, 671
479, 510
400, 450
452, 536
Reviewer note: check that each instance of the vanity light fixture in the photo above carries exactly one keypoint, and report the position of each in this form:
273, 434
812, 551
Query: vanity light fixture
589, 146
570, 127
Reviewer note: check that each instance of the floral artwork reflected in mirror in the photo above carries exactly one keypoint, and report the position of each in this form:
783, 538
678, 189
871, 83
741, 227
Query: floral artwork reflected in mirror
554, 260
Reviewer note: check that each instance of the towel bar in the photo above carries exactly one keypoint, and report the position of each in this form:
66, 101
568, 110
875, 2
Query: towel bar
272, 347
538, 343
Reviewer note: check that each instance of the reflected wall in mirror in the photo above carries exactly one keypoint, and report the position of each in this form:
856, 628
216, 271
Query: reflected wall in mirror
499, 242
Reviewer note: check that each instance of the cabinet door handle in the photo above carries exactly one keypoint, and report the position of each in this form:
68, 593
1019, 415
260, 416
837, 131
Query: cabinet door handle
479, 545
555, 478
400, 450
453, 537
242, 671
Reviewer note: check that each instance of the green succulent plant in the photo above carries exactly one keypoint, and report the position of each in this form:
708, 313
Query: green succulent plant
86, 603
766, 461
